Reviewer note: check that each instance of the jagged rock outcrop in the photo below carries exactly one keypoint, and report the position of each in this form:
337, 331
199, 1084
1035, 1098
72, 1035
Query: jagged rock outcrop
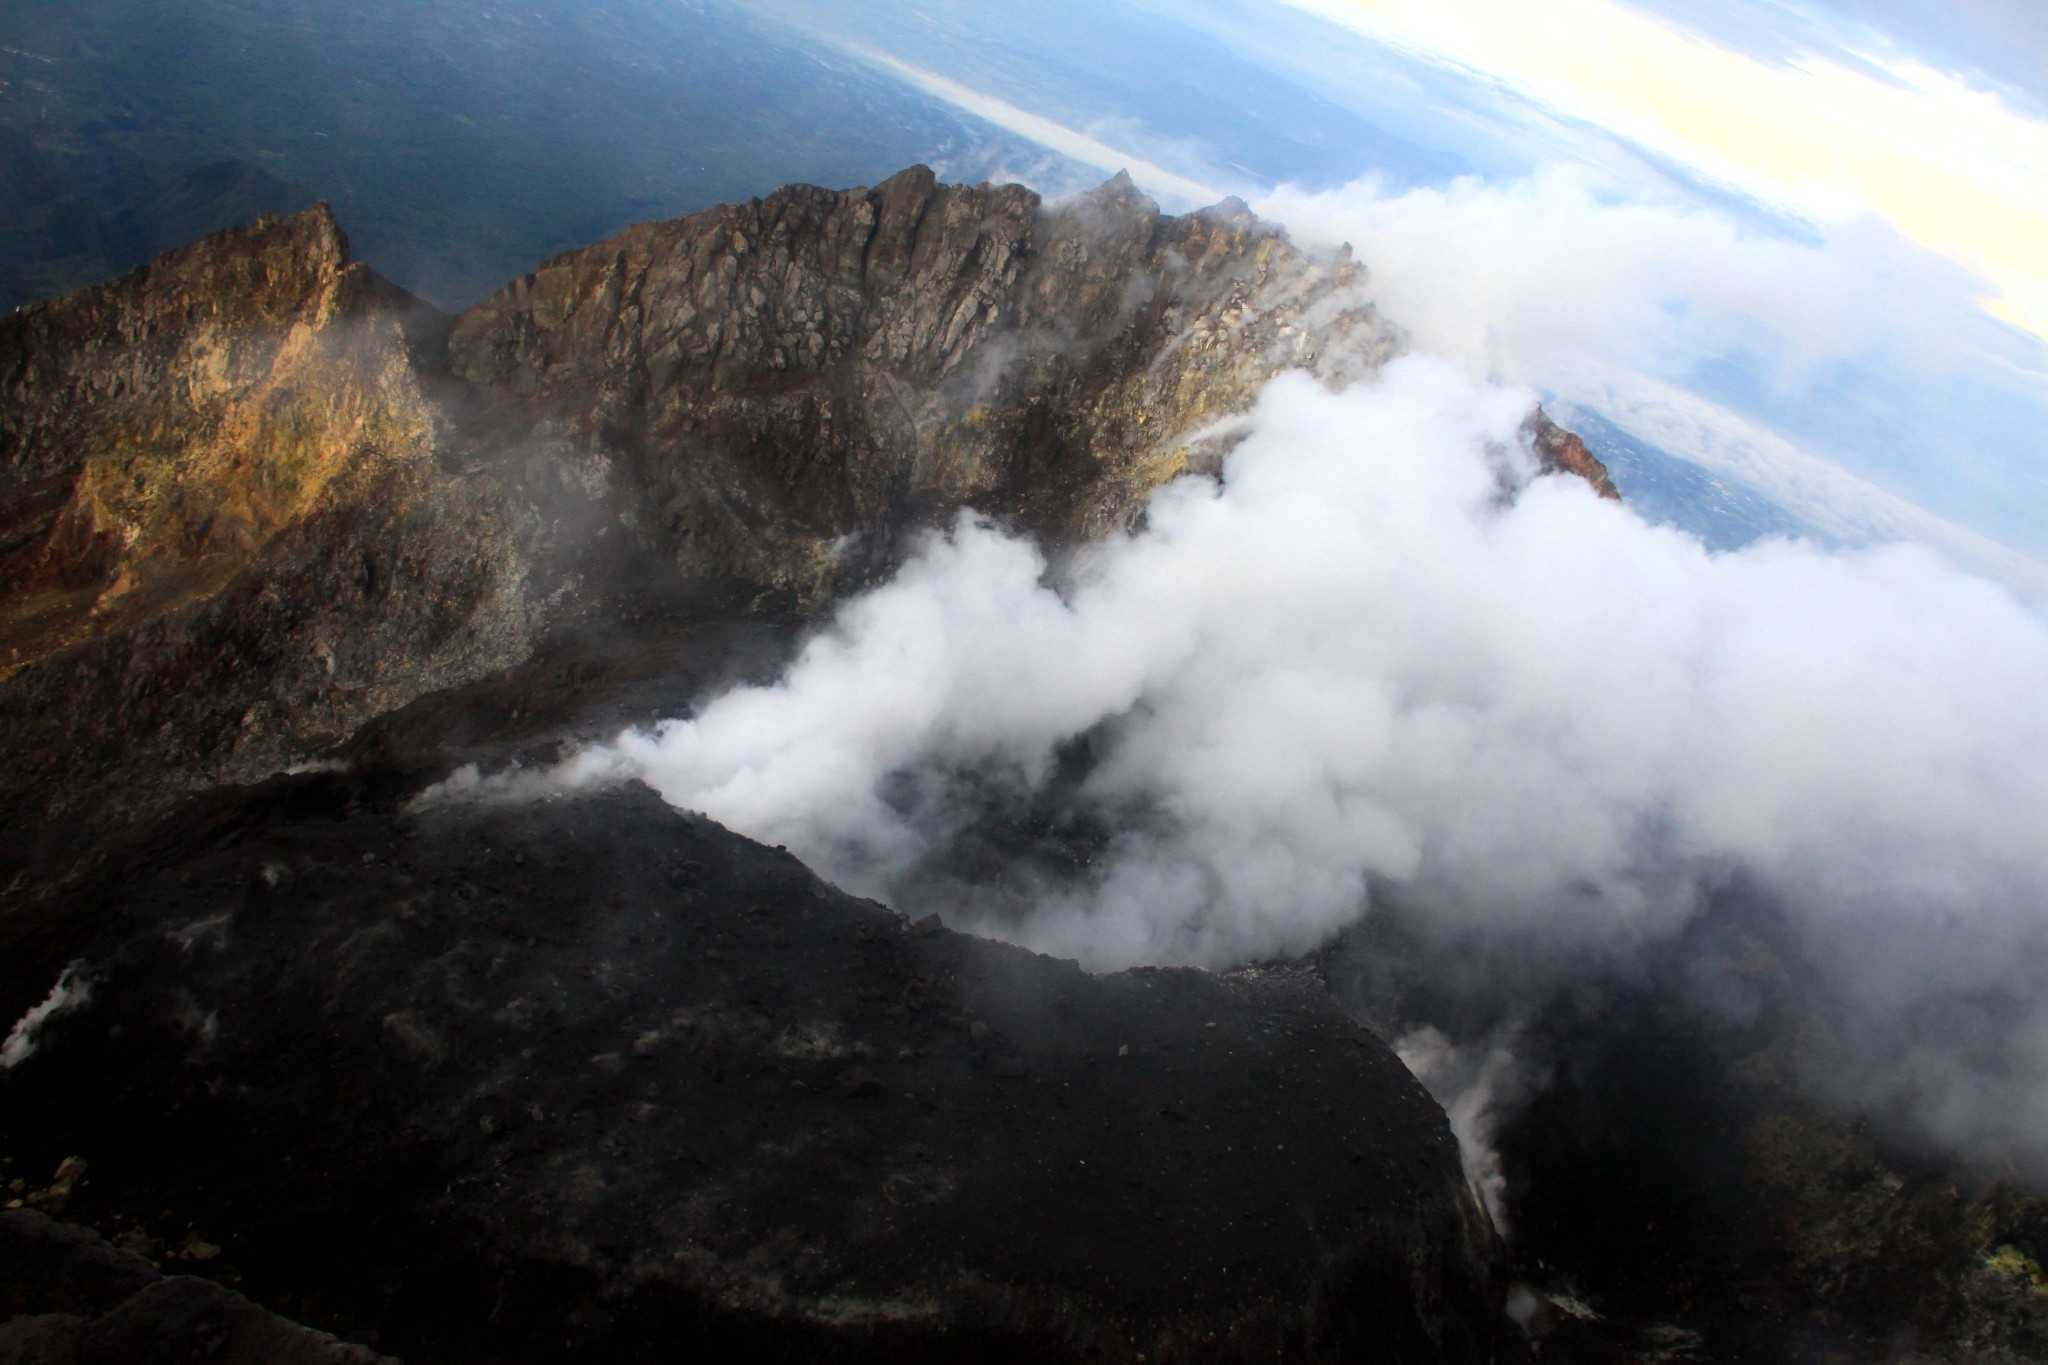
1562, 452
159, 432
785, 376
231, 530
252, 496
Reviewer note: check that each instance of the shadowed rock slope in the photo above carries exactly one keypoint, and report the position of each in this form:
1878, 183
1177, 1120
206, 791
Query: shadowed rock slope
591, 1080
68, 1298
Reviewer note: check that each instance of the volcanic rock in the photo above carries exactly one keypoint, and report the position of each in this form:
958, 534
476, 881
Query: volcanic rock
253, 496
584, 1079
417, 1099
1562, 452
67, 1298
783, 375
226, 534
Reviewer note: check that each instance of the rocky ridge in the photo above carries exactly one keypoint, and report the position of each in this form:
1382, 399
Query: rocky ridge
784, 376
1559, 451
252, 496
231, 536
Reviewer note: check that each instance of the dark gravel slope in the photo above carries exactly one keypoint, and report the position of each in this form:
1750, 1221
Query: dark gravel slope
591, 1080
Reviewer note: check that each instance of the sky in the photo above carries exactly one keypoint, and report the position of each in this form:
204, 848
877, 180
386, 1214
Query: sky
1829, 134
1803, 246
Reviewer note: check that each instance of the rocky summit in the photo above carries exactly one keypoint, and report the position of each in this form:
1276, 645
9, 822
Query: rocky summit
591, 1079
255, 496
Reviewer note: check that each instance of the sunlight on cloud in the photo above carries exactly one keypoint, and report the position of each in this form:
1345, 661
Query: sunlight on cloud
1947, 165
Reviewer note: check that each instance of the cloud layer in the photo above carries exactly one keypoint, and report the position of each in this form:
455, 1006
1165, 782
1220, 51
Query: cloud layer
1856, 345
1950, 166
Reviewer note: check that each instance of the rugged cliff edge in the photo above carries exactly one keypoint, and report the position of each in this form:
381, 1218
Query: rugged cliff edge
252, 496
781, 376
231, 532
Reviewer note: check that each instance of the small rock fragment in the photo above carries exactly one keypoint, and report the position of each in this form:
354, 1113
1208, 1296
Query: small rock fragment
139, 1242
52, 1198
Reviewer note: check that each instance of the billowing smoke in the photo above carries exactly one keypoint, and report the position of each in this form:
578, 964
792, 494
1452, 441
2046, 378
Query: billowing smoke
1377, 657
1531, 277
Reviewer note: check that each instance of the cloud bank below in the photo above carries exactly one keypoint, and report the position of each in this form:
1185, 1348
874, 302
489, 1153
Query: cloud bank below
1709, 338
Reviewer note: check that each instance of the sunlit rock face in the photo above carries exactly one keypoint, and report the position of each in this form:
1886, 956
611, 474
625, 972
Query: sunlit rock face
166, 428
232, 529
1558, 450
782, 375
259, 495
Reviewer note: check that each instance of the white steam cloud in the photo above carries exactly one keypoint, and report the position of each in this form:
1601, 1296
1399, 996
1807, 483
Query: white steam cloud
1377, 654
1476, 1084
70, 992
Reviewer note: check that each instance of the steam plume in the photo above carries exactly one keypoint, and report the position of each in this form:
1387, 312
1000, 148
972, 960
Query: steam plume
1473, 1084
70, 992
1377, 652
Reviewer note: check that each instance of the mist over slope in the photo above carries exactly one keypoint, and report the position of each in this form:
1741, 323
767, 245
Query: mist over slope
1377, 653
